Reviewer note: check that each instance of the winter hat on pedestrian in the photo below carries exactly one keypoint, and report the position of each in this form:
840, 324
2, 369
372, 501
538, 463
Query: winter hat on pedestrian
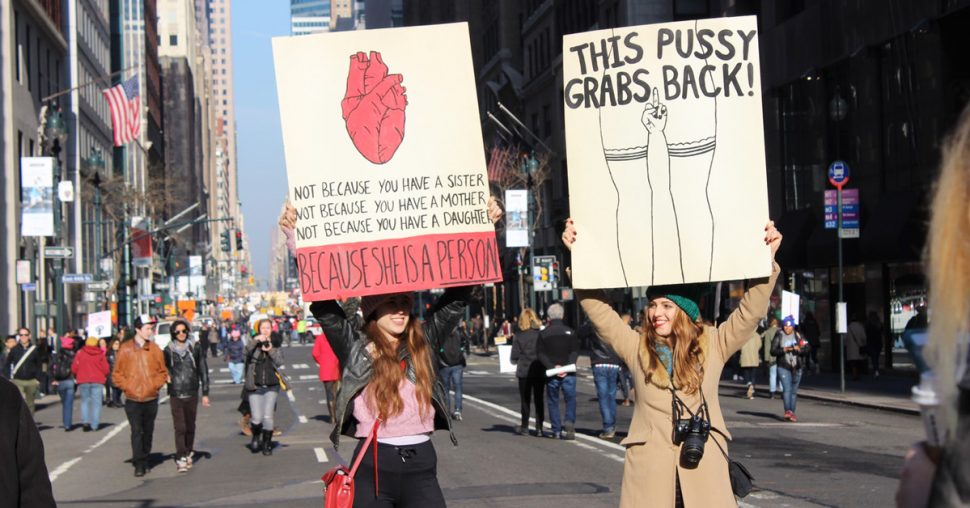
92, 341
67, 342
788, 321
684, 296
369, 304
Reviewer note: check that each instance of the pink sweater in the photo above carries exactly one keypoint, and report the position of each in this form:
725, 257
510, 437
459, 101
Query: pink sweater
410, 422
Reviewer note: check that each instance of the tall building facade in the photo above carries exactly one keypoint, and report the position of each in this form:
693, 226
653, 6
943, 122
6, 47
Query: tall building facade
225, 195
33, 66
309, 16
89, 66
876, 84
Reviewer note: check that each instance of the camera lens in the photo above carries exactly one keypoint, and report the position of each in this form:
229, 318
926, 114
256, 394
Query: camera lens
692, 450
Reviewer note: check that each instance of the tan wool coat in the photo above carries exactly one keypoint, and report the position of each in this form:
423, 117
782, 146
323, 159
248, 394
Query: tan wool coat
652, 460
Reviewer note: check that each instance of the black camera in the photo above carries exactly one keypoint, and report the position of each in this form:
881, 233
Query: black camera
691, 434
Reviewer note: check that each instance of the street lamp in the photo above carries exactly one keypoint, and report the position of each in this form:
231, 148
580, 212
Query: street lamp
55, 131
96, 165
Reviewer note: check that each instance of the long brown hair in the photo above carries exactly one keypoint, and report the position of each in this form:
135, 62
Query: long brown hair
388, 373
685, 343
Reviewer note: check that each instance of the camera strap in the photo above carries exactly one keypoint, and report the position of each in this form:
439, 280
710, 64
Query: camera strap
676, 404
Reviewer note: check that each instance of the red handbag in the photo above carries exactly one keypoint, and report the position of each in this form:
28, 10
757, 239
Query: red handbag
338, 483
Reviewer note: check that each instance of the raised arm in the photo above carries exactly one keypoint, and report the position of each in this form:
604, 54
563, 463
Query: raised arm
340, 326
446, 313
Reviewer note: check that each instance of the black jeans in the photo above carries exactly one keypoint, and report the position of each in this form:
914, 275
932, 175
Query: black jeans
141, 417
183, 419
532, 388
407, 475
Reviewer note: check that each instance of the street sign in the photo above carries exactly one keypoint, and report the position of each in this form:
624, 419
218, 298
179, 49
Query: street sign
59, 252
101, 285
77, 278
542, 273
29, 286
162, 285
838, 173
850, 211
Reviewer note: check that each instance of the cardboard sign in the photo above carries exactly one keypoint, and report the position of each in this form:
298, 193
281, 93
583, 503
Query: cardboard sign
99, 324
791, 305
665, 144
385, 161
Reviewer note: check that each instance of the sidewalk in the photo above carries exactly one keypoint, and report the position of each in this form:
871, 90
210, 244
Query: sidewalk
889, 392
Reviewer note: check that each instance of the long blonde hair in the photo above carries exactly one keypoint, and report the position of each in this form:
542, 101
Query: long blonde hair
685, 344
947, 259
528, 320
388, 373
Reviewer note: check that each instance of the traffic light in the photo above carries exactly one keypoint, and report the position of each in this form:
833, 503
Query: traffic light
226, 245
239, 243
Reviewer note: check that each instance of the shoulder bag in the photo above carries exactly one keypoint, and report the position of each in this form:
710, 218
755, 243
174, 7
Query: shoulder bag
338, 483
741, 478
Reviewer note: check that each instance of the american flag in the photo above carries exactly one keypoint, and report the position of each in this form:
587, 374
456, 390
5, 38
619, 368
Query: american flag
497, 164
124, 103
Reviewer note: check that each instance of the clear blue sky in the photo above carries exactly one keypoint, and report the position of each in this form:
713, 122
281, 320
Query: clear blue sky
259, 144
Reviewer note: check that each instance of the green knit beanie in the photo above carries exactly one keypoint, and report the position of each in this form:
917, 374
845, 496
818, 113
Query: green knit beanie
687, 305
684, 296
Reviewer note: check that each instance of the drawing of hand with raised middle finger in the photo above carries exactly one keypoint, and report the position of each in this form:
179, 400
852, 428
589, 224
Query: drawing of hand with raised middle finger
654, 116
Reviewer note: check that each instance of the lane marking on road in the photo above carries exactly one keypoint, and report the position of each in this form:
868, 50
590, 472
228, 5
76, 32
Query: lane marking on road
289, 395
63, 468
224, 369
321, 455
300, 366
302, 419
305, 377
518, 418
804, 424
477, 372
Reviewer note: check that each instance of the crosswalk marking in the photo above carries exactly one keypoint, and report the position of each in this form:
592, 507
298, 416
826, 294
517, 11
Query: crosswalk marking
305, 377
302, 419
289, 395
321, 455
300, 366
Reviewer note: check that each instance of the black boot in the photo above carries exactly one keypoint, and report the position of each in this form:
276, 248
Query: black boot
256, 445
267, 442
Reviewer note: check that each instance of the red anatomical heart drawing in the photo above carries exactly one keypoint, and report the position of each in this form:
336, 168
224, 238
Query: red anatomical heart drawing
373, 107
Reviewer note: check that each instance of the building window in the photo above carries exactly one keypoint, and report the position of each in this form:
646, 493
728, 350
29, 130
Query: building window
173, 40
27, 58
16, 31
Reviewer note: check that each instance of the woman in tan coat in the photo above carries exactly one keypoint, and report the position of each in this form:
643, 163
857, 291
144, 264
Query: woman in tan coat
675, 344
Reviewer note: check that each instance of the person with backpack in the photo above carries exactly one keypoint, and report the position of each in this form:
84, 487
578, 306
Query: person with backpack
63, 380
187, 372
451, 366
791, 355
90, 368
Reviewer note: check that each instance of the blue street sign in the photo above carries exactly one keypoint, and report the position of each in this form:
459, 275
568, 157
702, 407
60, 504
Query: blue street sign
77, 278
838, 173
28, 286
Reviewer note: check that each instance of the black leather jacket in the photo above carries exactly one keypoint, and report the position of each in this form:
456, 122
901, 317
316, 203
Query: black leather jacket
342, 326
187, 373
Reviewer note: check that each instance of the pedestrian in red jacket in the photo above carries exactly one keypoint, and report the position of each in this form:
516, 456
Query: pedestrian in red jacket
329, 371
90, 368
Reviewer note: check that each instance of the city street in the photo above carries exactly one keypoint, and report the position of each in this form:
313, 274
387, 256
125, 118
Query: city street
835, 455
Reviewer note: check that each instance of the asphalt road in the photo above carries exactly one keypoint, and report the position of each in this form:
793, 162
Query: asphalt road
834, 456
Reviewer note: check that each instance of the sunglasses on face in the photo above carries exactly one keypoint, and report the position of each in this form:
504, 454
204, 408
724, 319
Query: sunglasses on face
181, 331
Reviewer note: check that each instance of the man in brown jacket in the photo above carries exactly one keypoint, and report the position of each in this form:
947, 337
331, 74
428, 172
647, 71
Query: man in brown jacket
140, 373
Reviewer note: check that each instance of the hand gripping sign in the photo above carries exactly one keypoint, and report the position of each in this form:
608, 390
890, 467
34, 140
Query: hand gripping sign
666, 153
389, 183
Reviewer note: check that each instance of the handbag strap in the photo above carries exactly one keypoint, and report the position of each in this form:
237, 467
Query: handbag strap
715, 429
360, 456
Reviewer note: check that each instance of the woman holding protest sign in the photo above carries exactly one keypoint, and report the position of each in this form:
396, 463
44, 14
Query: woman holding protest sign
389, 386
677, 362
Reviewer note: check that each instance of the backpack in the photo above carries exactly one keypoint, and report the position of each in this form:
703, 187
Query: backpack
61, 366
453, 350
